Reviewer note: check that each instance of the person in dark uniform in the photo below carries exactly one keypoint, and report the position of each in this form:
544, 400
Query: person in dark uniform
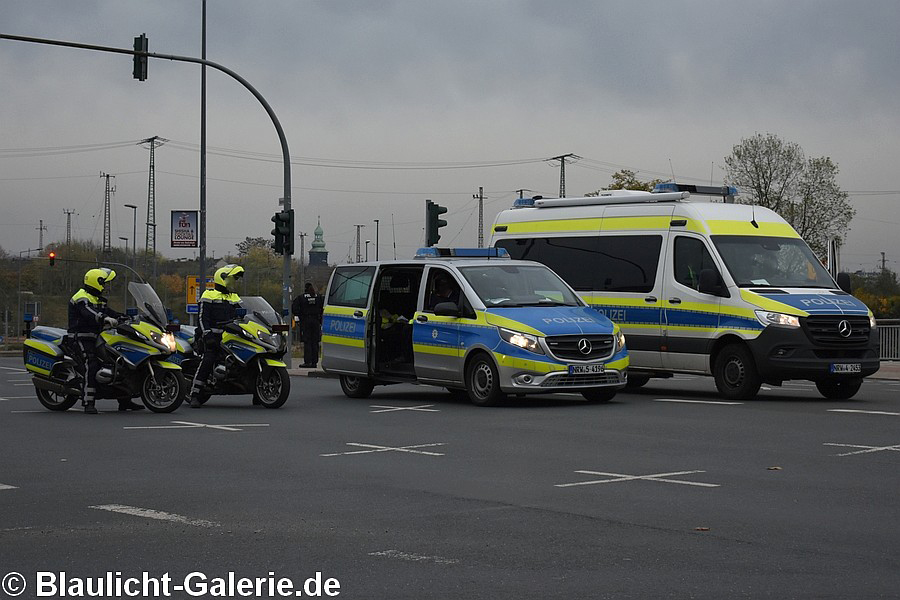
218, 307
88, 315
310, 304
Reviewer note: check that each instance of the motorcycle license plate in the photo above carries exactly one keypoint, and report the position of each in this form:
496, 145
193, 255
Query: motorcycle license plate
846, 368
579, 369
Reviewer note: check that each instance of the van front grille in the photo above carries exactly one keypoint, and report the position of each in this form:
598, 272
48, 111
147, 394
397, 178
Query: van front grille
581, 347
837, 329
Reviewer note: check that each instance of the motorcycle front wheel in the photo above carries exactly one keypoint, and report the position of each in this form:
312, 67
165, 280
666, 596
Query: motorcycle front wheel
272, 387
165, 392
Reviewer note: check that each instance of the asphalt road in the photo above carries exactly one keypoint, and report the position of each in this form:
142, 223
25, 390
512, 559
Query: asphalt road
663, 493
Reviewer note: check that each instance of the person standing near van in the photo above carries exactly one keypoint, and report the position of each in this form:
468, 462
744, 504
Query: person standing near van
311, 324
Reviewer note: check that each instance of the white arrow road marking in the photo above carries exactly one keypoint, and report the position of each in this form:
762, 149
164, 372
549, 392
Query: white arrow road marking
863, 412
3, 486
190, 425
681, 401
420, 408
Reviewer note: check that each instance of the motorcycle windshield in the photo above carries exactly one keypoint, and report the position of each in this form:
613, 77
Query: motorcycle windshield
148, 303
260, 311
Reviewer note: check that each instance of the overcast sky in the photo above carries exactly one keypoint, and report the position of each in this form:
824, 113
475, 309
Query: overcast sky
387, 103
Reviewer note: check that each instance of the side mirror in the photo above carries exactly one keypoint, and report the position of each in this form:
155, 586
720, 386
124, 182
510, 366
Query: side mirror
843, 281
711, 283
446, 309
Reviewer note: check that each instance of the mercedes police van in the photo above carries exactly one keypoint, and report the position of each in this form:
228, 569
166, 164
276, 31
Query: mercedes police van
718, 288
473, 321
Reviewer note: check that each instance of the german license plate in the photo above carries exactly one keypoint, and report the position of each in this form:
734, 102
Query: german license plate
578, 369
846, 368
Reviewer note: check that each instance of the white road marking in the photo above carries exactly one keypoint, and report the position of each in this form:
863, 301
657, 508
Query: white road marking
159, 515
18, 380
617, 477
681, 401
3, 486
865, 449
374, 448
25, 412
420, 408
19, 397
863, 412
15, 369
21, 384
190, 425
414, 557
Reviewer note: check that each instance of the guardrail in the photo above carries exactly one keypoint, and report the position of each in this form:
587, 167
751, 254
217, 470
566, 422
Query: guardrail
889, 336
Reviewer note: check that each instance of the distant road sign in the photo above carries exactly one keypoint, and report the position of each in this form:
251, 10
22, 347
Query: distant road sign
192, 309
192, 288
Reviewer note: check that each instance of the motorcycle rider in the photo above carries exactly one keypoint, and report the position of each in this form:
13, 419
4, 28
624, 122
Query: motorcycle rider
88, 315
218, 307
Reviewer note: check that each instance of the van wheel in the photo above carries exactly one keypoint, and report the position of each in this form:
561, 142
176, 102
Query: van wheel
483, 382
599, 395
356, 387
839, 390
637, 380
735, 373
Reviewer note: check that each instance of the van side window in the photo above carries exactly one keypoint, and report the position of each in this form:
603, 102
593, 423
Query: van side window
691, 257
350, 286
619, 263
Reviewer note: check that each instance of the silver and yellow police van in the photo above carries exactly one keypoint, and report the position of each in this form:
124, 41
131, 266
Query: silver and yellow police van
716, 288
470, 320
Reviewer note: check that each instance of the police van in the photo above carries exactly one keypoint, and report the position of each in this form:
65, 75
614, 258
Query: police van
471, 320
716, 288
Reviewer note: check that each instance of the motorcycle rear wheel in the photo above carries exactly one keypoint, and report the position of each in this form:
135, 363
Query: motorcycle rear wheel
165, 393
272, 387
54, 401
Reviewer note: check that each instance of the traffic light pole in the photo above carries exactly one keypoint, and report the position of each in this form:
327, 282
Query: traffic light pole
285, 201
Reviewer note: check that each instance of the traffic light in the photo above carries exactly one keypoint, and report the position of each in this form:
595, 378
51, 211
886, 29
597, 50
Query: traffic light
52, 257
140, 62
433, 223
284, 232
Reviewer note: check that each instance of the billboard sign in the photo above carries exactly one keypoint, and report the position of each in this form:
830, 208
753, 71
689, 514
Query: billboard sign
185, 232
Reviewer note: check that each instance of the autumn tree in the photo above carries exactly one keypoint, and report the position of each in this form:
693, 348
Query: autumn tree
776, 174
249, 243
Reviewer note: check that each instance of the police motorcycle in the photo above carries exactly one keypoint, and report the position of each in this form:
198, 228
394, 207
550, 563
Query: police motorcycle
250, 356
134, 360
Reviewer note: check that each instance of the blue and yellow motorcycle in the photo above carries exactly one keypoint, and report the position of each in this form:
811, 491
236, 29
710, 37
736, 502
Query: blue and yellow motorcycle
134, 360
249, 358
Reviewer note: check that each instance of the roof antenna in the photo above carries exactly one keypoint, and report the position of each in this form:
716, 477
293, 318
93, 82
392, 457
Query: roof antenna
671, 168
753, 215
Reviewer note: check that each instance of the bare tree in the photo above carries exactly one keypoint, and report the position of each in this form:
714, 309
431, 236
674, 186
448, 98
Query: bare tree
775, 173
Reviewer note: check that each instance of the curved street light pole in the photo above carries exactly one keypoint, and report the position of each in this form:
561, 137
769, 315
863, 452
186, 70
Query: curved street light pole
285, 201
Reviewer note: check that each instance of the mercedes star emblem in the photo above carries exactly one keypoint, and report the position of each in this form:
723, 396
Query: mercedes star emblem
844, 328
584, 346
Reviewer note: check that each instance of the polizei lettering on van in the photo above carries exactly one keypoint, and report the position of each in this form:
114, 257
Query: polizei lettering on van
570, 320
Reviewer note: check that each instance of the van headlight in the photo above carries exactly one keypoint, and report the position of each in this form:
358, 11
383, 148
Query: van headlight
780, 319
522, 340
872, 322
620, 340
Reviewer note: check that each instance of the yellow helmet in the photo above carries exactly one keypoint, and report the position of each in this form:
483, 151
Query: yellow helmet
98, 278
227, 276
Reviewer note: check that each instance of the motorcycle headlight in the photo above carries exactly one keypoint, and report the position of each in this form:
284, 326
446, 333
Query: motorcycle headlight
522, 340
779, 319
165, 340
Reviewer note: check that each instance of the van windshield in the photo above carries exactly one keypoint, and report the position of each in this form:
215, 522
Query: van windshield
519, 285
761, 261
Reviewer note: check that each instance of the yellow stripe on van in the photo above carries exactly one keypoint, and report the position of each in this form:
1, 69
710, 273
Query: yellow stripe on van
636, 223
747, 228
772, 305
344, 311
504, 360
492, 319
435, 349
343, 341
555, 225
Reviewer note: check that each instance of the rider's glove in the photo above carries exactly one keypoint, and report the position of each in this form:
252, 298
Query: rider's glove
110, 322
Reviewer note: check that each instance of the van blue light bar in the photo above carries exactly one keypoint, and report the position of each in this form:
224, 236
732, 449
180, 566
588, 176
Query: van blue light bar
462, 253
725, 191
